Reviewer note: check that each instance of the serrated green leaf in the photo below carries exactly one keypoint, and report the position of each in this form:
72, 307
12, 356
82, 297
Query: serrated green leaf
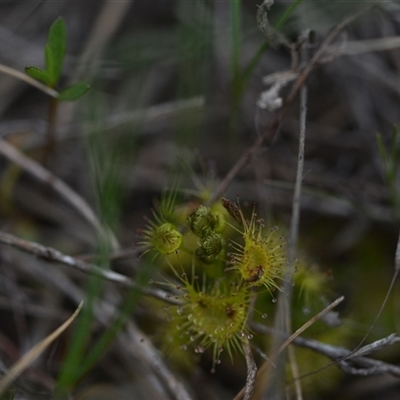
56, 40
73, 92
37, 73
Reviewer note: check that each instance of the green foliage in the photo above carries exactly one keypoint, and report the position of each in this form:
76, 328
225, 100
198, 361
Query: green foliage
55, 50
9, 394
54, 54
37, 73
73, 92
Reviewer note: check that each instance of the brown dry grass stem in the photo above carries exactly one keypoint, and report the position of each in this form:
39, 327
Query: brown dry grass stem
251, 371
286, 295
362, 366
52, 255
33, 82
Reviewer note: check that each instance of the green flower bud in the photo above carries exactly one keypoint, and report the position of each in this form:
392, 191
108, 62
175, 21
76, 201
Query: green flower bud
209, 247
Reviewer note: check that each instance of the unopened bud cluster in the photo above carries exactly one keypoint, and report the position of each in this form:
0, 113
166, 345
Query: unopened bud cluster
204, 224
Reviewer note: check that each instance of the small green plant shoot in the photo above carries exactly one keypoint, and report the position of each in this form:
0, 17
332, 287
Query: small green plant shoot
54, 52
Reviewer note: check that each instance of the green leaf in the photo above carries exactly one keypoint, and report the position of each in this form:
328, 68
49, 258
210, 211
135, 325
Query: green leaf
56, 41
37, 73
49, 60
54, 53
73, 92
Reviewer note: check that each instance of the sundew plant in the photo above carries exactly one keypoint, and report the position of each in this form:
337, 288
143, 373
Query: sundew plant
218, 263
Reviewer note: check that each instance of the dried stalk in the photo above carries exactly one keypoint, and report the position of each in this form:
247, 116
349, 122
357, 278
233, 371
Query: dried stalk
285, 296
251, 371
33, 82
359, 365
53, 255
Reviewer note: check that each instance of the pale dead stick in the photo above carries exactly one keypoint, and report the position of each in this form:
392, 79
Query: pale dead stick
52, 255
251, 371
339, 354
33, 82
364, 46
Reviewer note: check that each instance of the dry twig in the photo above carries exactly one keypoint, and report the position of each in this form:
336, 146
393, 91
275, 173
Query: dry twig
251, 371
286, 295
53, 255
357, 366
33, 82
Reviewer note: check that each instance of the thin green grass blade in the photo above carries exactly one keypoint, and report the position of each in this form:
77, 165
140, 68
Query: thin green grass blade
106, 159
70, 372
287, 13
256, 58
125, 313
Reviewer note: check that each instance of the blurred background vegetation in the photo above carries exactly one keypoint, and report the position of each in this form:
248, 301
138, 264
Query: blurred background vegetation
174, 84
